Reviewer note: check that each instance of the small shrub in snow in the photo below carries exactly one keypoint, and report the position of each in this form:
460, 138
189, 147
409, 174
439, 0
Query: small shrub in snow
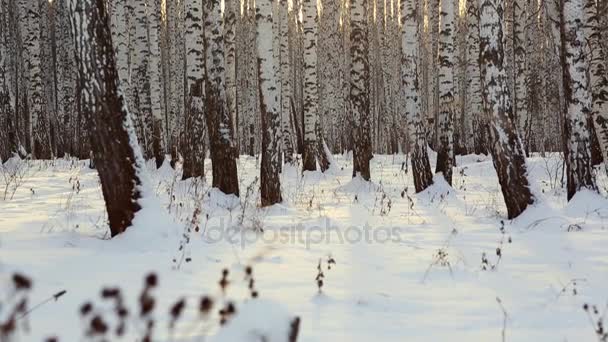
320, 278
596, 318
485, 262
183, 251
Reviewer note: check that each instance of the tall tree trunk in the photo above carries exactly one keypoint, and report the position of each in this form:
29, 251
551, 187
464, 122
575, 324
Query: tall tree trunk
157, 134
577, 108
231, 12
474, 115
177, 22
219, 121
520, 96
505, 145
193, 147
286, 82
311, 105
39, 139
360, 89
445, 119
421, 168
115, 149
269, 107
598, 74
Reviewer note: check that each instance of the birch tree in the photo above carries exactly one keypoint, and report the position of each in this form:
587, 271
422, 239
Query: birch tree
445, 119
219, 121
193, 146
520, 95
6, 101
421, 168
598, 74
360, 89
158, 141
269, 106
286, 82
474, 115
39, 140
577, 107
311, 107
114, 144
231, 12
505, 145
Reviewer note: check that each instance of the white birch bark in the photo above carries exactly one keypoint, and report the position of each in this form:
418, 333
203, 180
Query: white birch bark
520, 96
421, 168
504, 143
578, 98
311, 107
269, 103
598, 74
445, 119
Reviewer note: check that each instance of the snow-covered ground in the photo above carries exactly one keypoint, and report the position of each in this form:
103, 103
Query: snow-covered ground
408, 267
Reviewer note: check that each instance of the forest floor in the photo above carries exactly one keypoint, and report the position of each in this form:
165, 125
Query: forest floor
409, 267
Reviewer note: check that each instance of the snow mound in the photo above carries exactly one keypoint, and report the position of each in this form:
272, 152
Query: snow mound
439, 189
259, 320
585, 202
152, 228
358, 185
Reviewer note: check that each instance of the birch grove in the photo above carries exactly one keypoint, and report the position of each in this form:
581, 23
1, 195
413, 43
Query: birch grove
293, 82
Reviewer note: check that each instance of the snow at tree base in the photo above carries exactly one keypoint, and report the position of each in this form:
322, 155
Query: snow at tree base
303, 170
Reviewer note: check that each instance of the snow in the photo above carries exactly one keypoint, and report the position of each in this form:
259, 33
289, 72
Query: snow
390, 281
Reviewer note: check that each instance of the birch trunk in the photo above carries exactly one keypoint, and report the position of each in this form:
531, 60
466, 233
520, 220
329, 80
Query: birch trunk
115, 149
157, 133
520, 96
421, 168
231, 12
311, 107
286, 83
219, 121
445, 119
269, 106
475, 119
193, 147
598, 74
577, 107
360, 89
505, 145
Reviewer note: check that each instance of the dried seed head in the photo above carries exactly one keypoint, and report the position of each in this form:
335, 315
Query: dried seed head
110, 292
151, 280
177, 309
98, 326
146, 305
86, 308
205, 305
21, 282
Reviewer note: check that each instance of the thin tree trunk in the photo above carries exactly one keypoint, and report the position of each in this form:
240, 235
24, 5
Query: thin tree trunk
360, 90
270, 183
219, 121
157, 135
193, 146
311, 107
445, 119
421, 168
475, 119
286, 83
